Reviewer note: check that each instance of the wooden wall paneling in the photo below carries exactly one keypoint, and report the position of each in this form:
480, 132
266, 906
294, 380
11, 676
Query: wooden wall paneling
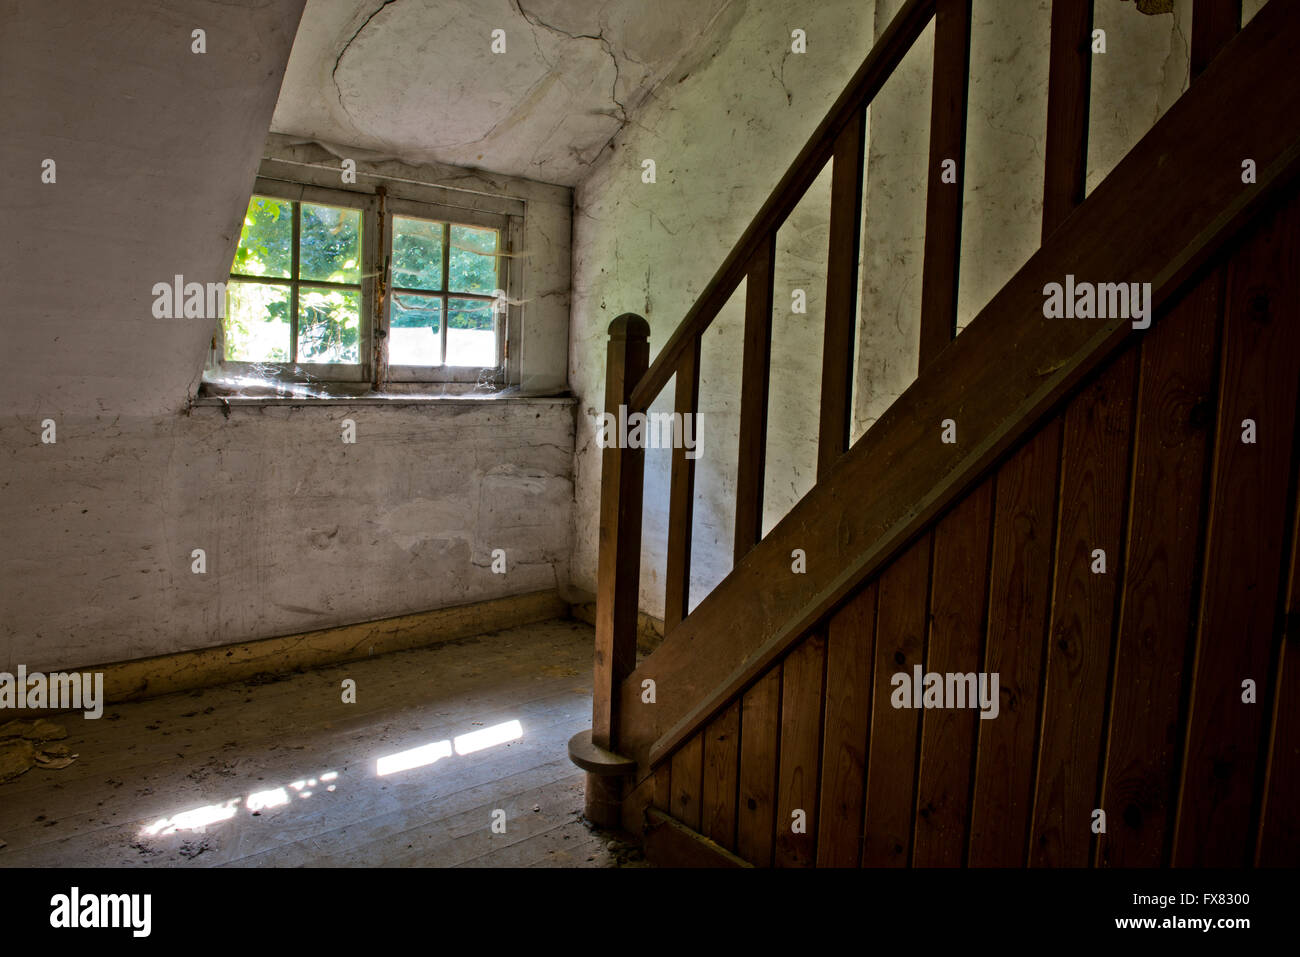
798, 768
687, 771
1095, 473
902, 609
958, 600
850, 650
1020, 583
1279, 827
1244, 543
663, 787
721, 776
1173, 426
760, 717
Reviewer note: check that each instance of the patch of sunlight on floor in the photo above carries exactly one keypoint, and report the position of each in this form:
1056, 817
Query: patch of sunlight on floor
200, 818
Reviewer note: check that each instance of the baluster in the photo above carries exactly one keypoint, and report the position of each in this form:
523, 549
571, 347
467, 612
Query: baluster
753, 398
681, 503
841, 294
1214, 23
1069, 82
943, 205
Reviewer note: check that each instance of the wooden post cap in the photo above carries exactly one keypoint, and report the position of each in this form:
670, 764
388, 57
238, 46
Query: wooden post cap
629, 326
595, 759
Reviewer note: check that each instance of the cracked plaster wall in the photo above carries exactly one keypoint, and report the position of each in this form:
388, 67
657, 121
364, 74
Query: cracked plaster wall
419, 81
300, 531
723, 135
157, 149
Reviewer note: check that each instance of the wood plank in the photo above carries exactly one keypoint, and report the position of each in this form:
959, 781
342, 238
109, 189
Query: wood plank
208, 667
1214, 23
885, 55
760, 716
841, 294
962, 542
1244, 542
618, 570
943, 205
850, 652
687, 778
1069, 84
902, 611
1279, 828
158, 758
638, 796
1008, 368
721, 776
671, 843
663, 788
1173, 425
1095, 470
802, 694
1019, 586
681, 500
753, 399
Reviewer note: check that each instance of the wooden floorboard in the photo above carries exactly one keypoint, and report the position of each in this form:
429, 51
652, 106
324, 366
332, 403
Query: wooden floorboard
209, 751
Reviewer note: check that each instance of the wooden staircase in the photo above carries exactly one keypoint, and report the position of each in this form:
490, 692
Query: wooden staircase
772, 737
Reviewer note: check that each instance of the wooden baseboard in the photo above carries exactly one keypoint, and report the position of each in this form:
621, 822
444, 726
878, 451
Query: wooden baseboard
670, 843
205, 667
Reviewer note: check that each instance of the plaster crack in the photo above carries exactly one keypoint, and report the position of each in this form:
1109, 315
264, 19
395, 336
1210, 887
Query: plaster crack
789, 97
1176, 35
339, 59
599, 37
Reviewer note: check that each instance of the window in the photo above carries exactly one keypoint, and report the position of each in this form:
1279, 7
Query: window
306, 299
294, 294
441, 269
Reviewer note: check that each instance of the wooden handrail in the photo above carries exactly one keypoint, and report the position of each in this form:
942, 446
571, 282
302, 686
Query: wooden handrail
879, 66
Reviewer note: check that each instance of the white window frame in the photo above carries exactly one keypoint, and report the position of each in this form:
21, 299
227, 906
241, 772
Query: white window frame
298, 183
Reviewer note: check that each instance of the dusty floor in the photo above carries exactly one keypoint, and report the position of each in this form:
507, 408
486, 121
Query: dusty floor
281, 772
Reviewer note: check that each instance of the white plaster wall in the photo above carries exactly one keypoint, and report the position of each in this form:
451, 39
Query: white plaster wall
722, 136
722, 129
300, 530
157, 149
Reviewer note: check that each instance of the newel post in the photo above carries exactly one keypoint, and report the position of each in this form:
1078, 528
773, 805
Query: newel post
618, 574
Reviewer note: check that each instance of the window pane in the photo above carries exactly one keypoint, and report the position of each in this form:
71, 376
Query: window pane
473, 266
471, 333
257, 322
266, 241
329, 325
329, 244
417, 253
415, 331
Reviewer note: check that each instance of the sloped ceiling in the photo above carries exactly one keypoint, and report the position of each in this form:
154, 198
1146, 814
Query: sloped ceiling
419, 81
155, 147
